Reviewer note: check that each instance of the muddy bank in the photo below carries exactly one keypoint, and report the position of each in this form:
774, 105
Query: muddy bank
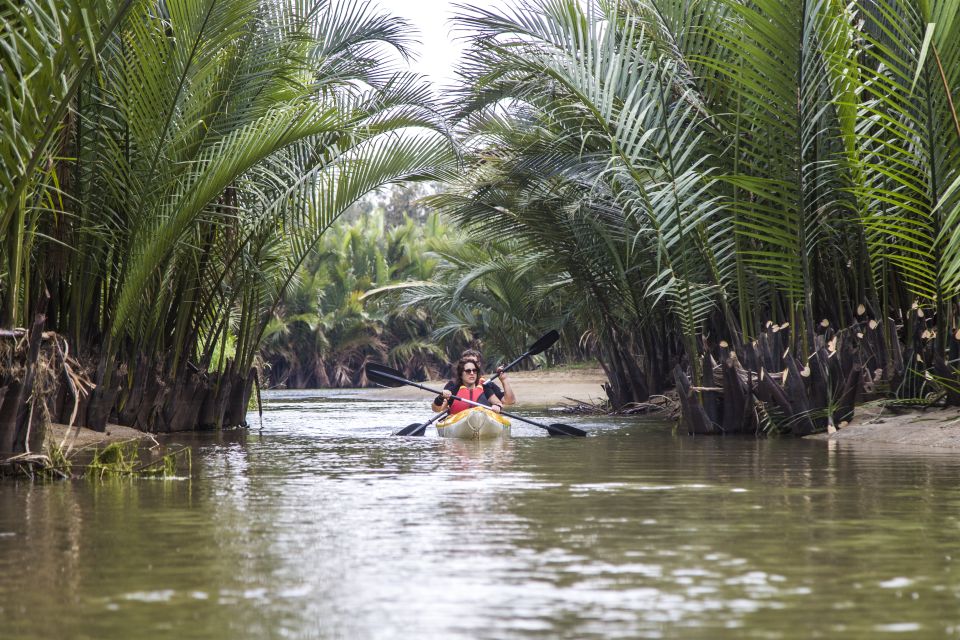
935, 428
553, 387
80, 437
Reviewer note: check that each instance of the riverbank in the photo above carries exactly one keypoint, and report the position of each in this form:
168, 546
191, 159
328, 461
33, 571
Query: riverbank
80, 437
551, 387
937, 428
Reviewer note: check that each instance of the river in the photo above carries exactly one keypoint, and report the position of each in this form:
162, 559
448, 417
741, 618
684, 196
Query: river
315, 523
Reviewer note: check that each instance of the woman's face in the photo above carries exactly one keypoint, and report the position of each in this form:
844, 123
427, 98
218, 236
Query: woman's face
469, 373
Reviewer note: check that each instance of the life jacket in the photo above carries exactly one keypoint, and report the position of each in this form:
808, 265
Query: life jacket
476, 394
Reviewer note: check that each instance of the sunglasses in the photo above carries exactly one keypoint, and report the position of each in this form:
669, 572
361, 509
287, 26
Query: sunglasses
469, 370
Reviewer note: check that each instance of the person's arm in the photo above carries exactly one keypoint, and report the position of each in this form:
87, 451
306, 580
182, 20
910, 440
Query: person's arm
492, 390
508, 396
493, 395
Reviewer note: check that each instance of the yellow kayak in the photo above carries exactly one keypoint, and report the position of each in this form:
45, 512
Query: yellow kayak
475, 423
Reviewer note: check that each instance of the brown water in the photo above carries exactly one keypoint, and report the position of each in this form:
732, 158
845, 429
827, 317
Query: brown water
321, 525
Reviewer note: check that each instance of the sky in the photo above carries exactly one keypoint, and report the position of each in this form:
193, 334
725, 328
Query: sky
438, 52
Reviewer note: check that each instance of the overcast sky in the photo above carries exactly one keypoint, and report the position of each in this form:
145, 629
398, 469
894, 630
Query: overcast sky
438, 51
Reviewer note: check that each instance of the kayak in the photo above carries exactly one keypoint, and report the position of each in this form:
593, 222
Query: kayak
475, 423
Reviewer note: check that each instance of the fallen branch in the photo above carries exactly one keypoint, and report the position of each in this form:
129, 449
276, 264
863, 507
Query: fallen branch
17, 334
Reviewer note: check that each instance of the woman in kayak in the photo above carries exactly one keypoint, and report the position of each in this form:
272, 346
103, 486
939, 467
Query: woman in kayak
491, 388
465, 386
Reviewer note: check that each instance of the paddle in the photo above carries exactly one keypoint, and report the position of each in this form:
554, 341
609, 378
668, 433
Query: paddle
541, 345
418, 428
389, 377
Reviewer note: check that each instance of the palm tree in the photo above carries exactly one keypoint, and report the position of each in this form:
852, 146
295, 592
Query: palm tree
593, 167
479, 294
696, 170
215, 143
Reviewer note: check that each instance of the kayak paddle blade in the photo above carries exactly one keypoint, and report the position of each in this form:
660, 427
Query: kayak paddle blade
557, 429
384, 376
543, 343
415, 429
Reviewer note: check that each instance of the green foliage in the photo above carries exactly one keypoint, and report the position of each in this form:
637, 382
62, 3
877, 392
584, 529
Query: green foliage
328, 325
491, 293
684, 171
412, 294
651, 175
119, 459
169, 166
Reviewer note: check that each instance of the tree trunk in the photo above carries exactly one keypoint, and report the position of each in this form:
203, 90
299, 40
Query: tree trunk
215, 404
8, 417
692, 411
626, 379
736, 397
184, 412
21, 412
236, 413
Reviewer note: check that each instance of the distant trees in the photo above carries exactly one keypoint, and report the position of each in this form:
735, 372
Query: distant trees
406, 201
413, 295
325, 329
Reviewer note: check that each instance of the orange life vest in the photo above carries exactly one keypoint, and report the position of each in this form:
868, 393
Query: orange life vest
475, 394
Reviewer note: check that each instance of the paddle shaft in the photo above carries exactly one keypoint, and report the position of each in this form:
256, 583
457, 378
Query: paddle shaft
509, 366
541, 345
439, 415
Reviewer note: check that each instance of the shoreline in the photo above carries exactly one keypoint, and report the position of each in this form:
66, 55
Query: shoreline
934, 428
533, 388
540, 388
76, 438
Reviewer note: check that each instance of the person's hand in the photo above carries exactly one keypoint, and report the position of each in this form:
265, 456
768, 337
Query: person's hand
502, 372
496, 408
446, 394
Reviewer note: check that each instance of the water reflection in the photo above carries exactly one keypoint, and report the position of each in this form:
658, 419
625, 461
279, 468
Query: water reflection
322, 525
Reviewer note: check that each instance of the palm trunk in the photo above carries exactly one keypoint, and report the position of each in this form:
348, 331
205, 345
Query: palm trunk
21, 423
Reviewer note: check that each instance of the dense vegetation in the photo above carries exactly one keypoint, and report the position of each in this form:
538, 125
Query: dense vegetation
325, 330
168, 165
694, 173
672, 181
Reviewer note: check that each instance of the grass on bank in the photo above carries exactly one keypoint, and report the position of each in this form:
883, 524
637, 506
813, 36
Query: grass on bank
115, 460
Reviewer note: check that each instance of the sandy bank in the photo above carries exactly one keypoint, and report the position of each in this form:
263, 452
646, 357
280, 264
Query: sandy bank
934, 428
533, 388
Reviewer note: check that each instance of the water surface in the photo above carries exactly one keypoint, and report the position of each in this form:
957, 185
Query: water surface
322, 525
